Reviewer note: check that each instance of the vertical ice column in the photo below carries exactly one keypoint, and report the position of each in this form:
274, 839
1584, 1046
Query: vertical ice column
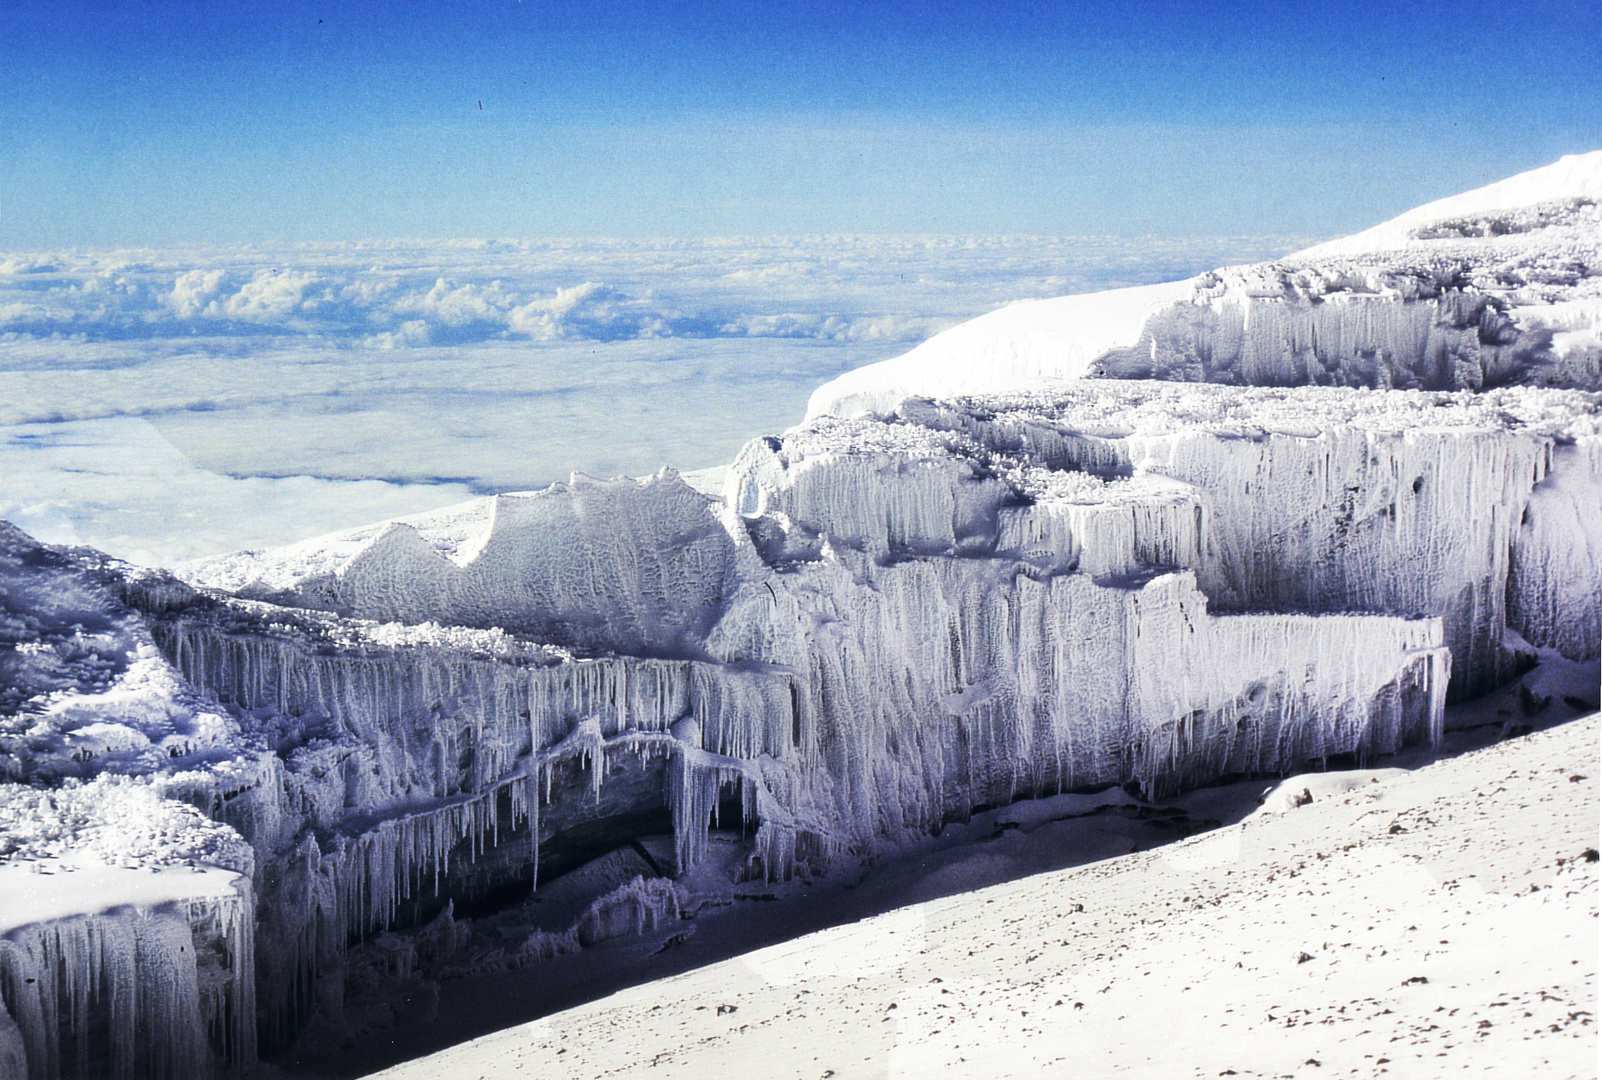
13, 1050
1554, 590
121, 994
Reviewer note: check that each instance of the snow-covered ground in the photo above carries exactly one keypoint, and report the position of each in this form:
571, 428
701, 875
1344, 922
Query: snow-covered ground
1434, 922
1487, 288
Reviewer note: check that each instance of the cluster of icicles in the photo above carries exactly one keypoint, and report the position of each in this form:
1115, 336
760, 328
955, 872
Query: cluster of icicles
165, 1014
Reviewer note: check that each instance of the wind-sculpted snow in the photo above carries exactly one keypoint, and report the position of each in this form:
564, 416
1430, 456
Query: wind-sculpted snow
1492, 288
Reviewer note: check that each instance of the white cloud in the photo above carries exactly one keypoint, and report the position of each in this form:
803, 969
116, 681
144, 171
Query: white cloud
192, 290
412, 334
269, 296
456, 305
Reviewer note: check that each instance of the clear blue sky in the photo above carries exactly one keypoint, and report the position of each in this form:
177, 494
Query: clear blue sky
244, 120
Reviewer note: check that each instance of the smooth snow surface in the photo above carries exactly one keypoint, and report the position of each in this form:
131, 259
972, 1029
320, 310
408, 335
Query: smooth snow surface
1576, 179
1018, 345
1429, 924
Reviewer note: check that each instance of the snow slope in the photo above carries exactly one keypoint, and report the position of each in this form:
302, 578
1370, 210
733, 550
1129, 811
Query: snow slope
1407, 925
1576, 178
1495, 286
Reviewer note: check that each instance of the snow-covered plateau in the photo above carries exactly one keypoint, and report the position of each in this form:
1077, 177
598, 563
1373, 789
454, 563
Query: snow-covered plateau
1109, 549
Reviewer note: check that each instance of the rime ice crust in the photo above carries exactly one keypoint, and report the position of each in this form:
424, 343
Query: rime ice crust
125, 906
978, 585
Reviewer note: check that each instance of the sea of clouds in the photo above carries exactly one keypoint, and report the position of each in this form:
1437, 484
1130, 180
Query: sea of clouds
168, 404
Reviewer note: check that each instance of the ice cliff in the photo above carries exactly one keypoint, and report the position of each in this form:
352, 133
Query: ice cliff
1244, 524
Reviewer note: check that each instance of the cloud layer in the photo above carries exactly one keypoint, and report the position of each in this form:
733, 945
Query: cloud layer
399, 294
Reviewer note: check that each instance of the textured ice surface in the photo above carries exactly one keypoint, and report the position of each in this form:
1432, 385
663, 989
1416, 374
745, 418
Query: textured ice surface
639, 567
125, 912
1332, 499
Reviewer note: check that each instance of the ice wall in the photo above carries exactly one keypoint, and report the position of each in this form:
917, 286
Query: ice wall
634, 567
148, 988
1555, 582
125, 933
1320, 330
953, 652
1338, 500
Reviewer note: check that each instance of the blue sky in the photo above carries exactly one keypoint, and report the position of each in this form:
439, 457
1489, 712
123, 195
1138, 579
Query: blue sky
176, 122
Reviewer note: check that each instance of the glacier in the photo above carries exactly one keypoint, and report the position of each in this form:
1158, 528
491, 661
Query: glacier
1248, 524
1494, 287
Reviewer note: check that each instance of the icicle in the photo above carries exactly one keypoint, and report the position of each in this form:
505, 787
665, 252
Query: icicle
131, 974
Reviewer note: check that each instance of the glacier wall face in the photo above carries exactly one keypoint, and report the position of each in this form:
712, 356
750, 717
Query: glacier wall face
1556, 575
1356, 327
639, 568
162, 992
126, 935
1316, 500
854, 702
